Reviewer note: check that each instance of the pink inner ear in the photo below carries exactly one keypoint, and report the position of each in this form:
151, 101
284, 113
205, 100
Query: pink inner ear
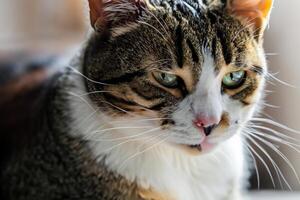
244, 4
253, 12
96, 11
252, 17
114, 12
261, 7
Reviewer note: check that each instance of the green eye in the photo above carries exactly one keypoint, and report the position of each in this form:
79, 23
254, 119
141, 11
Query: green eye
166, 79
234, 80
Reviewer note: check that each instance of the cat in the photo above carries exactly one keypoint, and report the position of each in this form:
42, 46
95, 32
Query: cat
152, 108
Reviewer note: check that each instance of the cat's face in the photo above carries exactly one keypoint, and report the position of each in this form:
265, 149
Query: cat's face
193, 73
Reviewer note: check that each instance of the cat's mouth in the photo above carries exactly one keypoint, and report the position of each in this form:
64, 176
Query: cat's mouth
196, 147
203, 147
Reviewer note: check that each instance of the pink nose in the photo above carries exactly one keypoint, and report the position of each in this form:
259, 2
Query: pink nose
207, 124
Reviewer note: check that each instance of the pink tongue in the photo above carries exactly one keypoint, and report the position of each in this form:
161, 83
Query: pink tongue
203, 138
205, 145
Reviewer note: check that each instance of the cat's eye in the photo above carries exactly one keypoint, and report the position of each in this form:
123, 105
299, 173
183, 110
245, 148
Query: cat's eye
234, 80
166, 79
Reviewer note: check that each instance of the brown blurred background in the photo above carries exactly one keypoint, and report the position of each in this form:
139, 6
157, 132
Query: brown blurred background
54, 26
41, 25
282, 43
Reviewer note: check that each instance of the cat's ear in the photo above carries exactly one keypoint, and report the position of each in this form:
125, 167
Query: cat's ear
255, 13
107, 15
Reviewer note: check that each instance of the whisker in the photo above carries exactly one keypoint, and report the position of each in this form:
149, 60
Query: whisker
277, 169
121, 128
264, 163
95, 92
127, 141
269, 121
143, 151
266, 115
279, 140
270, 105
118, 108
163, 27
82, 99
244, 28
88, 117
120, 122
87, 78
154, 28
278, 153
158, 62
169, 40
269, 91
126, 137
256, 167
275, 132
281, 82
271, 54
143, 120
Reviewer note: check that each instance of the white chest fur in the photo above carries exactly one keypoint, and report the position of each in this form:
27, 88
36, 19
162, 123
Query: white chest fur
208, 177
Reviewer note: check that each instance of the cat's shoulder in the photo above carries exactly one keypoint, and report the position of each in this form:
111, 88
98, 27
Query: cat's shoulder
24, 85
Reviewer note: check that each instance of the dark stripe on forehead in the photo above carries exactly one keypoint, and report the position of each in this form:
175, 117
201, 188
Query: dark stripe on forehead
226, 46
179, 47
127, 77
220, 41
195, 56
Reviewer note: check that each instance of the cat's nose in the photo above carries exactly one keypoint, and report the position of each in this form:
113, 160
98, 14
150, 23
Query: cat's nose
207, 124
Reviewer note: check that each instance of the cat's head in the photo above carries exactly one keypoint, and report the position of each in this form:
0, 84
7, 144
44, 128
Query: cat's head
192, 71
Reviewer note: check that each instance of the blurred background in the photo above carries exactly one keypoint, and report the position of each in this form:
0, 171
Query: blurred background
43, 27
